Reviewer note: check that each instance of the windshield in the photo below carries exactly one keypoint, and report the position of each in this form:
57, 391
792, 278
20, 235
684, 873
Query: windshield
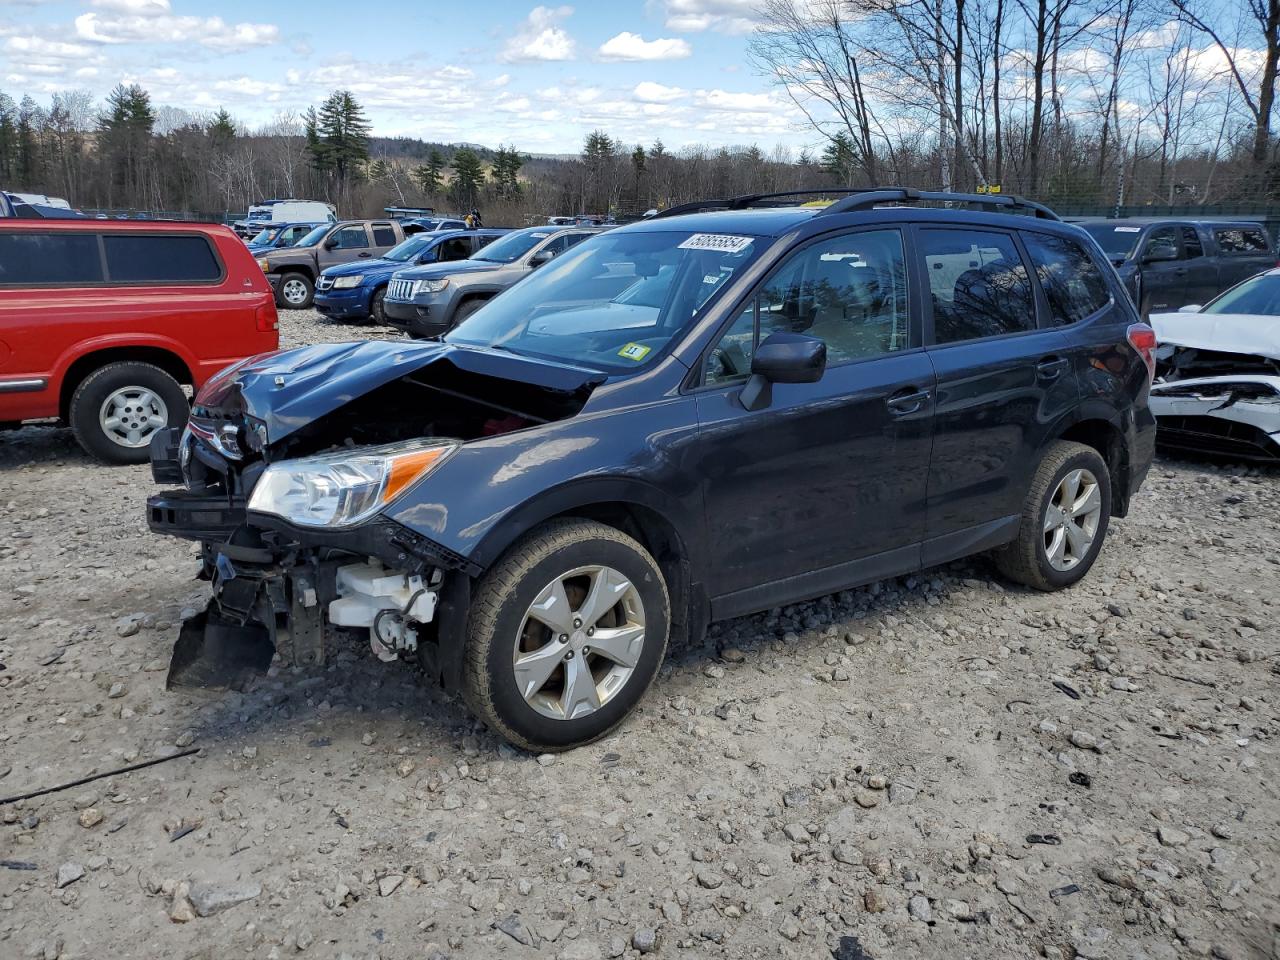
513, 246
408, 249
263, 237
312, 238
614, 302
1116, 240
1260, 295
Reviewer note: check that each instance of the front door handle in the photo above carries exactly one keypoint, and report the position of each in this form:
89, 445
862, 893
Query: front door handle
1050, 368
907, 401
366, 254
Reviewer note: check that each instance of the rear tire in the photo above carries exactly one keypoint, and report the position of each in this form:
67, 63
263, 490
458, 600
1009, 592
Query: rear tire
116, 410
562, 693
1064, 519
296, 291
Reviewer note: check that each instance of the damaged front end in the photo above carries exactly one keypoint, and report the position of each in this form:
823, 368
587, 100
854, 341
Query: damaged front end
1217, 402
287, 465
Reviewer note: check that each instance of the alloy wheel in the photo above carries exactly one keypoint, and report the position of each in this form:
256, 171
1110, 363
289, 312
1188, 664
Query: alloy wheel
294, 292
1071, 519
579, 642
131, 415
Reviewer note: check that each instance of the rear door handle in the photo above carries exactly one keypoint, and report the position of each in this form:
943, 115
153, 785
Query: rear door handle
1050, 368
366, 254
907, 401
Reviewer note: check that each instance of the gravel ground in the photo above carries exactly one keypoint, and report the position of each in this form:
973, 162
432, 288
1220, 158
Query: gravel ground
936, 766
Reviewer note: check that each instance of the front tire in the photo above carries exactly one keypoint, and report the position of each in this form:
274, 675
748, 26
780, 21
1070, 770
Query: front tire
296, 291
117, 409
376, 313
566, 634
466, 310
1064, 519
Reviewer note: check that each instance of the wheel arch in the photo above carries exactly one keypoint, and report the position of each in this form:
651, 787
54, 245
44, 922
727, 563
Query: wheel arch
1101, 430
640, 510
83, 365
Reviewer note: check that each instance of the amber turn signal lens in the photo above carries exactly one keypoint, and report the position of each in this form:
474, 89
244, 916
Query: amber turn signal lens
407, 468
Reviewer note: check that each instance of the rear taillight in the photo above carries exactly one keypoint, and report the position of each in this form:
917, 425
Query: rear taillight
266, 319
1143, 339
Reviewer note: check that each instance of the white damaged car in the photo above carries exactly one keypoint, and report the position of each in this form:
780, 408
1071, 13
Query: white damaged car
1217, 386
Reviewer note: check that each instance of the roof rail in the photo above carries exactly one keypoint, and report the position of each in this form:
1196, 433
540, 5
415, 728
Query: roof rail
753, 200
867, 199
863, 198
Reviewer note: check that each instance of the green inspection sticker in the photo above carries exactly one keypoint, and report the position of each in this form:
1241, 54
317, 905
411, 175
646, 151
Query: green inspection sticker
635, 351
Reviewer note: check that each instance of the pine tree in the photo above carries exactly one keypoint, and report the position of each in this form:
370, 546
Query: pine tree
468, 177
506, 171
428, 175
124, 140
338, 136
222, 129
838, 159
597, 156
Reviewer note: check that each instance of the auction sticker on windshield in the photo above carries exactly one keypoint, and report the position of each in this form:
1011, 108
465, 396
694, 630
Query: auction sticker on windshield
722, 242
1128, 229
635, 351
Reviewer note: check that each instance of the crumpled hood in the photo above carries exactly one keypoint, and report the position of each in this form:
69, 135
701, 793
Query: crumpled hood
1225, 332
290, 389
432, 271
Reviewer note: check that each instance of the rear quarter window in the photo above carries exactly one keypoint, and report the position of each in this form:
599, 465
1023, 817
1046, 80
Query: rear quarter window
39, 259
1238, 241
146, 258
1072, 282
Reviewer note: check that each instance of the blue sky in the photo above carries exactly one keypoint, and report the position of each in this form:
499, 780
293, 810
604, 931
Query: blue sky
495, 71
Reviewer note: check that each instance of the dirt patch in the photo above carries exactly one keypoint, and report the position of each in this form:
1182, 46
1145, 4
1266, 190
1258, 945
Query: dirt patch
934, 766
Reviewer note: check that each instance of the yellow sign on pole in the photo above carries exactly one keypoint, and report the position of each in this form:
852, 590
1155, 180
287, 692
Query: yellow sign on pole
989, 188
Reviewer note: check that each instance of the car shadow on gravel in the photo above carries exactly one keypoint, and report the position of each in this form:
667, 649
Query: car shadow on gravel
40, 444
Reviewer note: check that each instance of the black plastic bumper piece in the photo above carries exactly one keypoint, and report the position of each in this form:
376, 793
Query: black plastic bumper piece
165, 467
176, 513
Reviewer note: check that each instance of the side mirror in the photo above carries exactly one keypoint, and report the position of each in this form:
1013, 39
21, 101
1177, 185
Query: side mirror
541, 257
1160, 255
331, 243
783, 358
428, 257
1191, 308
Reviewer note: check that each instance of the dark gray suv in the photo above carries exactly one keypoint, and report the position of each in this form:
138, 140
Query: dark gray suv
430, 300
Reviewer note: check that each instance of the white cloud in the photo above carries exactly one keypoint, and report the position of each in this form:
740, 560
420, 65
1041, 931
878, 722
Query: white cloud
724, 100
145, 7
211, 32
24, 47
632, 46
650, 92
540, 37
725, 16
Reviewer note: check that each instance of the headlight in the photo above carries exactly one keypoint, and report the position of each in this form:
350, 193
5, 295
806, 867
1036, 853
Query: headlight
346, 283
265, 266
343, 488
429, 286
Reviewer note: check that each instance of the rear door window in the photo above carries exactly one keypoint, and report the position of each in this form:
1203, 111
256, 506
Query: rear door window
455, 248
143, 258
1240, 241
38, 259
383, 235
351, 238
978, 285
1072, 283
1191, 245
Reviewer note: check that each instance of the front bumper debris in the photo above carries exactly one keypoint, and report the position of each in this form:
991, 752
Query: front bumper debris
1234, 417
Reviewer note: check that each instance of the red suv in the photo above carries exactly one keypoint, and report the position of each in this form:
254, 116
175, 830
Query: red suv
102, 324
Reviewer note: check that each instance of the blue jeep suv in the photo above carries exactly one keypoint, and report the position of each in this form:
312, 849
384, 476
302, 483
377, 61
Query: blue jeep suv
729, 407
354, 291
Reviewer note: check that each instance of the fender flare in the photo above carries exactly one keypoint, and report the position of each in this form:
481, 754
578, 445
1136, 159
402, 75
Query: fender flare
119, 341
586, 492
